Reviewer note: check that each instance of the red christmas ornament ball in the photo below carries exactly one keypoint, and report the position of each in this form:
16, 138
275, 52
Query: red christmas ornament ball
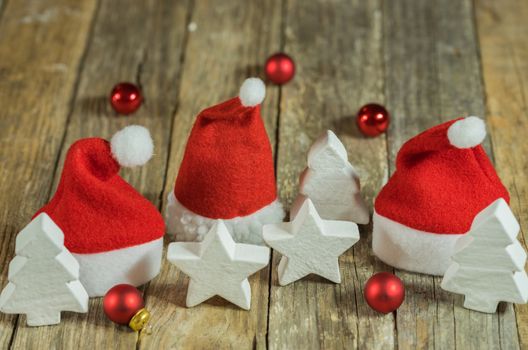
122, 302
384, 292
126, 98
280, 68
372, 119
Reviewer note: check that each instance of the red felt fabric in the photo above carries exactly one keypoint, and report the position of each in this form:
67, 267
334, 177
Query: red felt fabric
95, 208
227, 170
437, 187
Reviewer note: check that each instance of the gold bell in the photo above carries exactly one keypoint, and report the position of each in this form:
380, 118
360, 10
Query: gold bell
139, 320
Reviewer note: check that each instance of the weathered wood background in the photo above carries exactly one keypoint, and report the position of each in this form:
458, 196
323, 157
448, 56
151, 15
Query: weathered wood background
427, 61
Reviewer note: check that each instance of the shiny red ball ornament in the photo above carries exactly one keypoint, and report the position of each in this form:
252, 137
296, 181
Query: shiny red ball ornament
126, 98
372, 119
384, 292
123, 304
280, 68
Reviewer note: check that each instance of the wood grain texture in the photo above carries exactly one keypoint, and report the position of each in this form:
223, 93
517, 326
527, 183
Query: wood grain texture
502, 31
433, 75
338, 52
59, 60
230, 42
41, 46
122, 48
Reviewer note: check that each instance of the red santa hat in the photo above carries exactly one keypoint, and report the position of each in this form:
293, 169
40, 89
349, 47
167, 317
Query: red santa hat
227, 172
115, 234
443, 179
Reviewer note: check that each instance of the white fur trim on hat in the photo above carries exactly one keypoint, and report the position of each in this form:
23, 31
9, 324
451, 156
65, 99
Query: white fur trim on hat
132, 146
186, 225
252, 92
467, 133
412, 250
134, 265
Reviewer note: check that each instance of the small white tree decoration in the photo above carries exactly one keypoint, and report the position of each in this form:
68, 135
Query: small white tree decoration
43, 276
488, 264
331, 183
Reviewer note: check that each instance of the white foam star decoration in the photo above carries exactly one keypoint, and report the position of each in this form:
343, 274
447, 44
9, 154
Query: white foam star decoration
218, 266
310, 244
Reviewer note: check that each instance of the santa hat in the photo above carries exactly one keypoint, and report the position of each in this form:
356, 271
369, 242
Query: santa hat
227, 172
114, 233
443, 179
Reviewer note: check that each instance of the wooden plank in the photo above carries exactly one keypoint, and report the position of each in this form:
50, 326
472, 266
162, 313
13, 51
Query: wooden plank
502, 30
142, 44
41, 46
230, 43
337, 47
433, 75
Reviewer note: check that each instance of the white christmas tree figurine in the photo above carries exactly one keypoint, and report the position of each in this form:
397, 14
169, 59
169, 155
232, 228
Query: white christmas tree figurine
488, 264
331, 182
43, 276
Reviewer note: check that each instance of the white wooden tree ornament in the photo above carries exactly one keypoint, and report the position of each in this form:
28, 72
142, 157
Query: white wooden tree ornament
43, 276
218, 266
488, 263
331, 182
310, 244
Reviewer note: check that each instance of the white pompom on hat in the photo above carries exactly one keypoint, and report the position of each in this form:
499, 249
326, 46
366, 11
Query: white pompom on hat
132, 146
252, 92
467, 132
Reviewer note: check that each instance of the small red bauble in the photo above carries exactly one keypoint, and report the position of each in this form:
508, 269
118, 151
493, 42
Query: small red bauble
125, 98
123, 304
280, 68
384, 292
372, 119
